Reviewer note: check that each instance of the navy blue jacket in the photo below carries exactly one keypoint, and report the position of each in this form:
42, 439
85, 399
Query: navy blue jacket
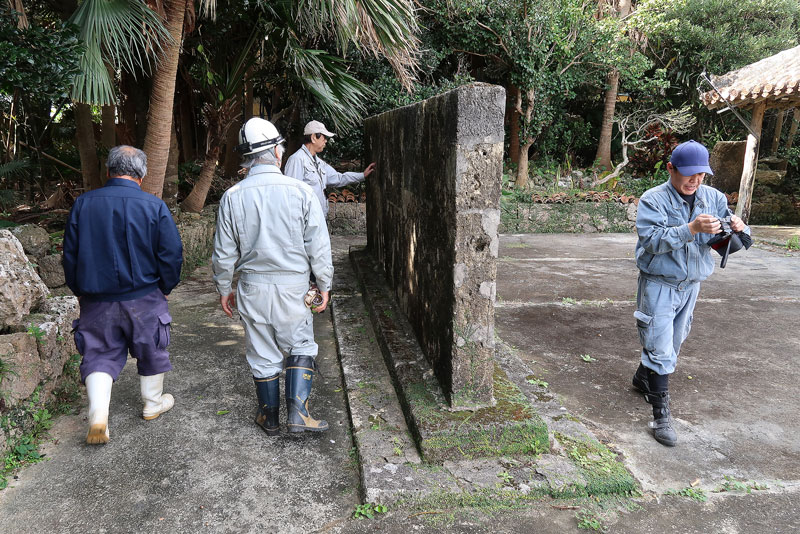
121, 243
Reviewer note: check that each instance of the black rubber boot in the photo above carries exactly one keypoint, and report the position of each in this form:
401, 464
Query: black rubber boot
299, 374
662, 418
640, 379
269, 403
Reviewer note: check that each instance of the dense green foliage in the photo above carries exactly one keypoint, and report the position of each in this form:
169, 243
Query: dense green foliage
41, 61
340, 61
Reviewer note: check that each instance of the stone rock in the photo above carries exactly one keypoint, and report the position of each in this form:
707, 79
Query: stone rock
21, 359
34, 239
727, 160
38, 355
51, 271
22, 290
631, 211
770, 178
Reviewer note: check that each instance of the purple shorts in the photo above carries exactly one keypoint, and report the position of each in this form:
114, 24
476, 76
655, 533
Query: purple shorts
107, 331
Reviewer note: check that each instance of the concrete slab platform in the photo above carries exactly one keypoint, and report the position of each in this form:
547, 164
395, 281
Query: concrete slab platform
562, 297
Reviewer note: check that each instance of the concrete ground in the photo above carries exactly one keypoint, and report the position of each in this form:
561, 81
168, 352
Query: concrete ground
195, 468
560, 297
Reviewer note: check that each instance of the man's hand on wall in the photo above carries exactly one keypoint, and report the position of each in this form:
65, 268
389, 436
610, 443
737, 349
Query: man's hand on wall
369, 169
228, 303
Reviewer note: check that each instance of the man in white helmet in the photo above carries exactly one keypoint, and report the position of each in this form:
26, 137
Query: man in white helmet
272, 231
308, 167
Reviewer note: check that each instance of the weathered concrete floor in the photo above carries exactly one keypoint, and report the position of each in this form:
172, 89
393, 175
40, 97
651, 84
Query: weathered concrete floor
192, 470
733, 397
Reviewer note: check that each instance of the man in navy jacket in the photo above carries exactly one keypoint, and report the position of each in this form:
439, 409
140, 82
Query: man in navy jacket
122, 256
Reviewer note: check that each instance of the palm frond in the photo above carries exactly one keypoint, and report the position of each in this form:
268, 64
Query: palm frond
125, 34
339, 94
383, 28
17, 168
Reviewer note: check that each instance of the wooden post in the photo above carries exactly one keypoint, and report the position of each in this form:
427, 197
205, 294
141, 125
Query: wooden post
793, 128
776, 138
750, 163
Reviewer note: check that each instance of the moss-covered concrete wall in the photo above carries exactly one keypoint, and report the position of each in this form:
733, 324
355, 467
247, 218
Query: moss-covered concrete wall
577, 217
432, 217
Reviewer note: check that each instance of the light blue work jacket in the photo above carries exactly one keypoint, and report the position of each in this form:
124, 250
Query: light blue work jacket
667, 252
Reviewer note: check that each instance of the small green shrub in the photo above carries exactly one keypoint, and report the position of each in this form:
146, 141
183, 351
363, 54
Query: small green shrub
368, 510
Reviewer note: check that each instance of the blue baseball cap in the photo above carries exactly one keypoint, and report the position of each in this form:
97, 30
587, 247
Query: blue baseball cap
690, 158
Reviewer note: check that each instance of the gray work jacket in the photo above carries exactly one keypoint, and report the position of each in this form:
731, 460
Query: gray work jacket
318, 174
271, 225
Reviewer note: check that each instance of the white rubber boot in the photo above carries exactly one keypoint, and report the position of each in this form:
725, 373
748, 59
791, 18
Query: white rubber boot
155, 403
98, 388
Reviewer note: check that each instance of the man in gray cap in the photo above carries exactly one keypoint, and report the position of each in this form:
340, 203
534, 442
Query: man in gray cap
675, 222
308, 167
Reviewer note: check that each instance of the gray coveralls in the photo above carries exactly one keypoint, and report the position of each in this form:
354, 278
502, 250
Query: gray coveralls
318, 174
271, 230
672, 262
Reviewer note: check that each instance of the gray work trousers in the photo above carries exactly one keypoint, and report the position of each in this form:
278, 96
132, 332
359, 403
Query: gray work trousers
275, 319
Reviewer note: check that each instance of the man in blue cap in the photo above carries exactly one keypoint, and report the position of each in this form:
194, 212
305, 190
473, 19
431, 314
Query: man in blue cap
675, 221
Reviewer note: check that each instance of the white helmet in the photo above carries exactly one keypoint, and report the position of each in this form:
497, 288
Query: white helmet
257, 135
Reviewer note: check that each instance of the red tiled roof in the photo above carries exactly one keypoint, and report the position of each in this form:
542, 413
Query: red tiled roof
775, 79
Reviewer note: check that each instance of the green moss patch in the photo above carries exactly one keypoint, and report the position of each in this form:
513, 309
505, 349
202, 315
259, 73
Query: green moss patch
598, 465
509, 428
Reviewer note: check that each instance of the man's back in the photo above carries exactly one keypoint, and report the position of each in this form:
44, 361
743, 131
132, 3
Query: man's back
272, 224
121, 243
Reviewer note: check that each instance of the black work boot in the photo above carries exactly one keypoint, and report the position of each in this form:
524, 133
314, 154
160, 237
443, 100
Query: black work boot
662, 418
640, 379
299, 374
269, 403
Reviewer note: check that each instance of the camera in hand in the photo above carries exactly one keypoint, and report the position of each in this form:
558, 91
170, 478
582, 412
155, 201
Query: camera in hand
726, 241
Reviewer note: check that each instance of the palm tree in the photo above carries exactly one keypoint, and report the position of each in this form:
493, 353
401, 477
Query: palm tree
379, 27
603, 156
223, 91
117, 34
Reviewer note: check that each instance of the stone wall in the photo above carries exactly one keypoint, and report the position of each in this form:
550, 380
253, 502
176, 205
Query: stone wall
432, 218
35, 327
197, 235
578, 217
347, 218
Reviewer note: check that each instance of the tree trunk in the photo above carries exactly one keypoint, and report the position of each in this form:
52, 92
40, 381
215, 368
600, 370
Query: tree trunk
793, 128
603, 155
513, 124
22, 21
162, 97
84, 135
171, 178
186, 116
197, 198
522, 166
249, 100
776, 138
108, 134
231, 156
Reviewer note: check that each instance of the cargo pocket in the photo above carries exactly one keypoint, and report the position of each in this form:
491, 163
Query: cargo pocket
644, 322
80, 344
162, 332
